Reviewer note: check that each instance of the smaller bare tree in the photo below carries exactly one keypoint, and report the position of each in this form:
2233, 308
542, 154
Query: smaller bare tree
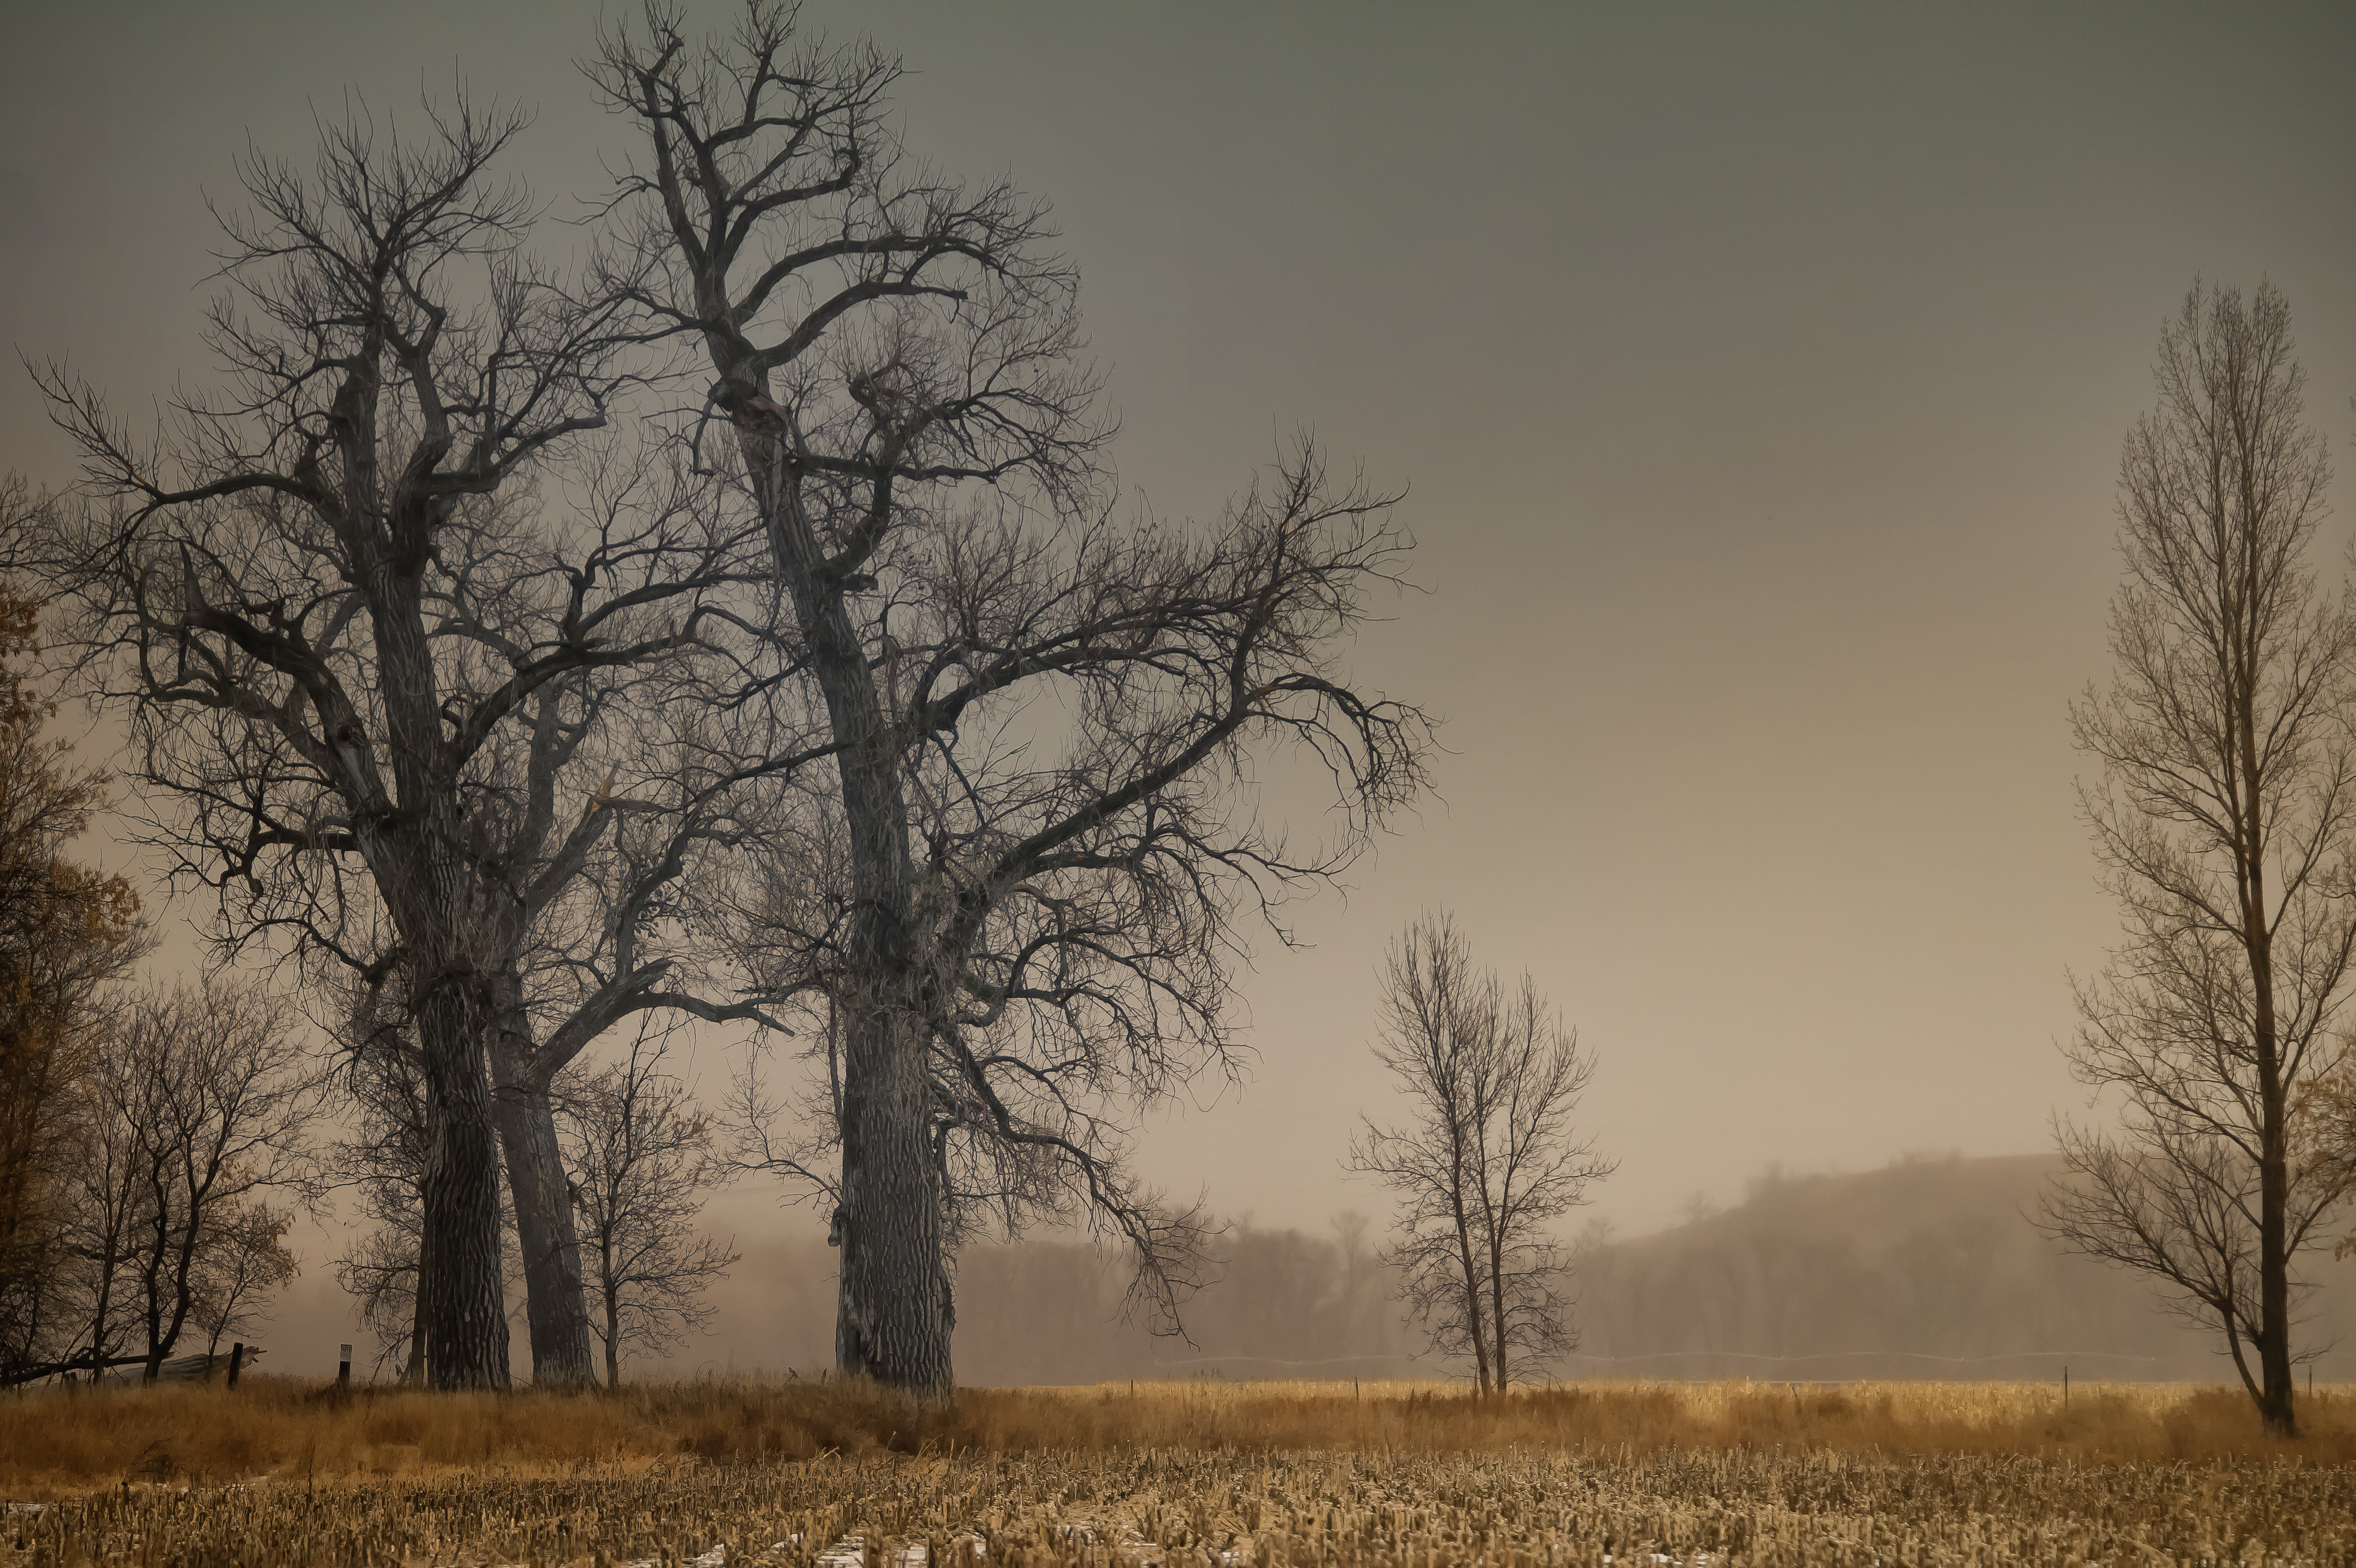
67, 933
1489, 1160
644, 1162
197, 1108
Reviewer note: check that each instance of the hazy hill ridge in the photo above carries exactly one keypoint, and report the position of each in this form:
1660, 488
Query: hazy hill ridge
1923, 1268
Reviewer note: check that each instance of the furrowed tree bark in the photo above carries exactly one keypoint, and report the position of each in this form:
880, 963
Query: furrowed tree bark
458, 1276
894, 1314
554, 1306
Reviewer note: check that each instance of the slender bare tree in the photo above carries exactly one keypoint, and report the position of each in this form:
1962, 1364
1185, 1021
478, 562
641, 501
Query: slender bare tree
1042, 722
645, 1160
373, 638
1488, 1162
2222, 823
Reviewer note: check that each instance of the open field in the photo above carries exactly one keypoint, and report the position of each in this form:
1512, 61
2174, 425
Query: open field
1231, 1475
1109, 1508
55, 1442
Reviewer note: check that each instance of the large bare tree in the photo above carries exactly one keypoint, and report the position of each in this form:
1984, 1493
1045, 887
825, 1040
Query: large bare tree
371, 637
1043, 721
1489, 1160
2222, 823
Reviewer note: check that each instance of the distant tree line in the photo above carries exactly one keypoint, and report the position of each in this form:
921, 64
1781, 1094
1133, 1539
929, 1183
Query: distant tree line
1928, 1268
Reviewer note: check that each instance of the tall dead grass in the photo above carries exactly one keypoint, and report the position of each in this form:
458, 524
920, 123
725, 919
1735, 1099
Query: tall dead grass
57, 1442
2098, 1422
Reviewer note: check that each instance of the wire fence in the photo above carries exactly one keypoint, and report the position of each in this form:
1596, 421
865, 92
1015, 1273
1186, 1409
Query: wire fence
2334, 1362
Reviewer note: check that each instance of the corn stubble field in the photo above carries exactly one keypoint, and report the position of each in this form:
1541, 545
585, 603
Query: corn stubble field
1173, 1476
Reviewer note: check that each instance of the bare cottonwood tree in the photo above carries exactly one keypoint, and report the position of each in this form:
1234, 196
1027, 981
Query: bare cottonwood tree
1489, 1161
645, 1160
2222, 823
373, 635
1041, 721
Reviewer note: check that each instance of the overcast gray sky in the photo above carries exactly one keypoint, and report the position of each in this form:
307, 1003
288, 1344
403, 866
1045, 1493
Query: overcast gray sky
1758, 373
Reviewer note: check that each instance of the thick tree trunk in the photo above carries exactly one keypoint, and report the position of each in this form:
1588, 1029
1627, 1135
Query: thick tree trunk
894, 1313
465, 1318
897, 1314
555, 1305
414, 1375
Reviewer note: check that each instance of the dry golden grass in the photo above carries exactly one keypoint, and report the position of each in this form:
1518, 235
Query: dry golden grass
1162, 1509
2100, 1421
57, 1442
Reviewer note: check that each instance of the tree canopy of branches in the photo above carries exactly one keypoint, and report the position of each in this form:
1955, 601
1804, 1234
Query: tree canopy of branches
371, 610
2222, 824
643, 1162
65, 930
1041, 721
1488, 1162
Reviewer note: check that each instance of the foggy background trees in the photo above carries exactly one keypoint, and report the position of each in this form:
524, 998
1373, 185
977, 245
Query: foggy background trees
1924, 1268
155, 1142
2224, 822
